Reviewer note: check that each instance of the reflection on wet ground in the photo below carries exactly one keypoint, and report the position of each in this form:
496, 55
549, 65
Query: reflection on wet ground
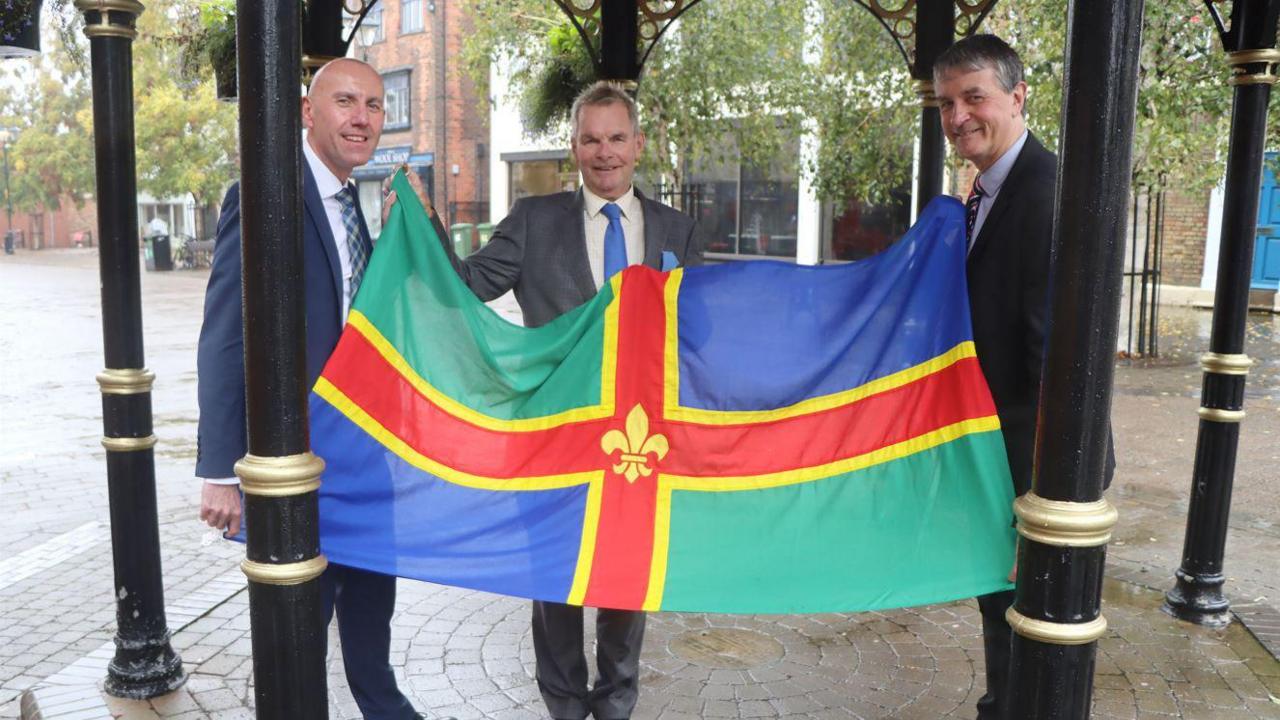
1184, 337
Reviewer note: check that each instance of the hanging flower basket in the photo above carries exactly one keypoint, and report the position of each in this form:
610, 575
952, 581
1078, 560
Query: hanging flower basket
19, 28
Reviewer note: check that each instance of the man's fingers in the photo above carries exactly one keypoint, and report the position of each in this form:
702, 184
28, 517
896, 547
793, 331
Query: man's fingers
233, 523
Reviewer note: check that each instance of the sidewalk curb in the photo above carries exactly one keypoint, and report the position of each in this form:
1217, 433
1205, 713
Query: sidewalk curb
75, 692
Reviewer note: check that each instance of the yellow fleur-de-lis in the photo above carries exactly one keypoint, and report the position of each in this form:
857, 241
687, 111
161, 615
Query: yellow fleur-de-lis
635, 446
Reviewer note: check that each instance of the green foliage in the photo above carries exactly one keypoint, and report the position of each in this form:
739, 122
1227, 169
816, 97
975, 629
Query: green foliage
556, 79
206, 38
185, 140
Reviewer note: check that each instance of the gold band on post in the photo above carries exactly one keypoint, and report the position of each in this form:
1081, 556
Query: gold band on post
924, 90
129, 444
1226, 363
1252, 57
1220, 415
285, 573
1065, 524
104, 27
125, 381
1267, 57
280, 476
1056, 633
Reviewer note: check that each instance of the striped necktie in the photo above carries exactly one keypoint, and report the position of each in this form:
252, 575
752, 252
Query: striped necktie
358, 246
971, 210
615, 243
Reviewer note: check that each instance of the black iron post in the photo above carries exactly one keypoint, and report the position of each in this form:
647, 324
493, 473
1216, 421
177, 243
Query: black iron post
618, 37
935, 32
1065, 522
144, 664
280, 475
1197, 595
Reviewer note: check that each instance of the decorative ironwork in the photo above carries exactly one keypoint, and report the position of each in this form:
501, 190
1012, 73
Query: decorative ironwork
1211, 7
899, 19
653, 19
900, 24
970, 15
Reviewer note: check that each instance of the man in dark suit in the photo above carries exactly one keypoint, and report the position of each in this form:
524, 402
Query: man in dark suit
982, 98
343, 115
555, 252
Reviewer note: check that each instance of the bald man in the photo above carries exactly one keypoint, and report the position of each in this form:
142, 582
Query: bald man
343, 115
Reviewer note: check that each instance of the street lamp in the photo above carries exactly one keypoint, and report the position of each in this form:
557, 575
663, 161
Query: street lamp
6, 135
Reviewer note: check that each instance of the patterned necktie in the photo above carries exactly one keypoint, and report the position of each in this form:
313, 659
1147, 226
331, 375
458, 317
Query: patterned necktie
615, 244
971, 210
357, 245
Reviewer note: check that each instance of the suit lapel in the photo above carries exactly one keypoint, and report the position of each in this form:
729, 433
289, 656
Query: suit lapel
319, 221
579, 264
655, 233
1008, 196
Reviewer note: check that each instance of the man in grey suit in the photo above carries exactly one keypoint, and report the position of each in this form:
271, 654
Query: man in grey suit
556, 251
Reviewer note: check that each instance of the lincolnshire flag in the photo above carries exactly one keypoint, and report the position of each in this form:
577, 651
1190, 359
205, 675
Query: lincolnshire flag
754, 437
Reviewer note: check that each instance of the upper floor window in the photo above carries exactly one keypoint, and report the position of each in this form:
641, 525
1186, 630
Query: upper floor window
396, 86
411, 16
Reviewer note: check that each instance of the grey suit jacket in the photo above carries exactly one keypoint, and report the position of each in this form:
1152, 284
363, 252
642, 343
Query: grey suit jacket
540, 251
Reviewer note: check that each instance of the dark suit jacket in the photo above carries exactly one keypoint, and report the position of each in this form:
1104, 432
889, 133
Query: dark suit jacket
540, 251
220, 360
1008, 271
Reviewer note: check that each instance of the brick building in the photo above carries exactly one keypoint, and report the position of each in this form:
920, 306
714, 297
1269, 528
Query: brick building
436, 122
68, 226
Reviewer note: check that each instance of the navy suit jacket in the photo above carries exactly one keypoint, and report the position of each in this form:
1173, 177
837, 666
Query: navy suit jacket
220, 361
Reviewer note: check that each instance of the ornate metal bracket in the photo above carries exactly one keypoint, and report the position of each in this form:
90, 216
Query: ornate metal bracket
1250, 43
899, 18
358, 10
653, 19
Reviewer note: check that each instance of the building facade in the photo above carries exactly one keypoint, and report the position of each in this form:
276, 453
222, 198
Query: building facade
435, 120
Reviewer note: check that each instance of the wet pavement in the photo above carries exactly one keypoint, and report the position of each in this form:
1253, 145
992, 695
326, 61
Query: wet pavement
470, 654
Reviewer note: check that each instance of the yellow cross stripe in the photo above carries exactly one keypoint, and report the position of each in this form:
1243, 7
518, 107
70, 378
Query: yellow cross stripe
661, 547
885, 454
604, 409
389, 440
587, 550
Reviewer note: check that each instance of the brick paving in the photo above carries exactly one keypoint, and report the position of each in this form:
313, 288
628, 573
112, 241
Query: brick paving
470, 654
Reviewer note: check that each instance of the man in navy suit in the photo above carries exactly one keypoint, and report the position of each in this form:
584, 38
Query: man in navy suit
343, 115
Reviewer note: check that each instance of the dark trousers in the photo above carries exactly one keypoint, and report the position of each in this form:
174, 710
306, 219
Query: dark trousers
997, 641
365, 602
562, 663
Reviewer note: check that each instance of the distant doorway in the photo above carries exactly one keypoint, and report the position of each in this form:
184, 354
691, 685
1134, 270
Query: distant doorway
1266, 247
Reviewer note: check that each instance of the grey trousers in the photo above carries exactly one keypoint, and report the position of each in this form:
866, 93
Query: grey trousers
562, 662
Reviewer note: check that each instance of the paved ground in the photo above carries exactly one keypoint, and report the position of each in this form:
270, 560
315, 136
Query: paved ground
469, 654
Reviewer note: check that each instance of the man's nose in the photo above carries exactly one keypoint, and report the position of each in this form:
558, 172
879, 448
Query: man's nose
360, 115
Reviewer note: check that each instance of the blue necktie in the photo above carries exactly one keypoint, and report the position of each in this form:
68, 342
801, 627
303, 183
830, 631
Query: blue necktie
615, 243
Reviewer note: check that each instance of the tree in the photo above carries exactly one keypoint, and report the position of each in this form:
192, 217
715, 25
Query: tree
732, 77
185, 139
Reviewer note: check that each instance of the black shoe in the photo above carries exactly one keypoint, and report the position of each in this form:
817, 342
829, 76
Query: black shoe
423, 716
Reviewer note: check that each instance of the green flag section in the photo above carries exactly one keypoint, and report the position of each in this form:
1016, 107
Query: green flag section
752, 437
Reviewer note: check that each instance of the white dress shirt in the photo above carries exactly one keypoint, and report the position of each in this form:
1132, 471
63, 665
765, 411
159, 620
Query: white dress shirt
596, 222
329, 185
992, 180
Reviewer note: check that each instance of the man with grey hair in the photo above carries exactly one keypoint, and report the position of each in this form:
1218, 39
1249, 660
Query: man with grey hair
556, 251
1009, 220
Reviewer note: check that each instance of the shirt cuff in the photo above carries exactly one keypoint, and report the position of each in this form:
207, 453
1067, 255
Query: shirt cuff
222, 481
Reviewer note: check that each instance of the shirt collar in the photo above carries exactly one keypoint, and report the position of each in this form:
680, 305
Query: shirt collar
594, 202
326, 182
995, 175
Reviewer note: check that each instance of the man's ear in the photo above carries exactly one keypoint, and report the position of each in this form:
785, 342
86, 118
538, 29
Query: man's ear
639, 142
1020, 97
307, 120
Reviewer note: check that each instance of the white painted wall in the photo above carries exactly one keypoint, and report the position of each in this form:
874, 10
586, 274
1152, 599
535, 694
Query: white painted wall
1212, 238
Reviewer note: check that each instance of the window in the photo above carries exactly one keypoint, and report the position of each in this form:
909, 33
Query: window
372, 29
396, 86
411, 16
745, 208
541, 176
